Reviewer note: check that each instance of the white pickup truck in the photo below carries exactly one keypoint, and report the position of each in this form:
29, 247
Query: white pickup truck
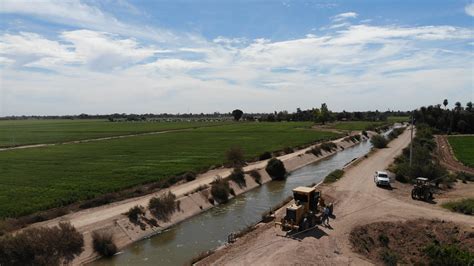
381, 178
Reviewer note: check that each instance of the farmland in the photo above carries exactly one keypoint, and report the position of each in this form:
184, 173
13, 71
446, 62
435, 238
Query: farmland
356, 125
398, 119
463, 147
23, 132
40, 178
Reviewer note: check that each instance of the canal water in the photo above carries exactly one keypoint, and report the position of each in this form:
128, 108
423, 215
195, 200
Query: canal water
210, 229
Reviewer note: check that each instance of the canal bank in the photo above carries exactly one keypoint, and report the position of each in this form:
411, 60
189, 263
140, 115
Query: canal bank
209, 229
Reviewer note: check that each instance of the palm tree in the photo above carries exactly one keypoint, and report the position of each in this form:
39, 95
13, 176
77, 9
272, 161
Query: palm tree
458, 106
469, 106
445, 103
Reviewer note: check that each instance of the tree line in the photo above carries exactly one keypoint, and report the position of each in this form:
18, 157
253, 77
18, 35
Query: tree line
459, 119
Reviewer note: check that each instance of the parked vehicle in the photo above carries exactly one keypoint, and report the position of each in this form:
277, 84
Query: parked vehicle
381, 178
422, 189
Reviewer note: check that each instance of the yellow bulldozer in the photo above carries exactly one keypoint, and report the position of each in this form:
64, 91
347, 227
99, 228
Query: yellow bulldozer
304, 213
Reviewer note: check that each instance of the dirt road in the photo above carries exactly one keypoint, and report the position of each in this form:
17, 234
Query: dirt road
358, 201
447, 158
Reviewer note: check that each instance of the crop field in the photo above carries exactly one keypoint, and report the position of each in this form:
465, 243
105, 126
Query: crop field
356, 125
40, 178
23, 132
463, 147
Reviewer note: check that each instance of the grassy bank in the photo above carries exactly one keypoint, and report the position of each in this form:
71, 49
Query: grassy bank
463, 147
41, 178
23, 132
465, 206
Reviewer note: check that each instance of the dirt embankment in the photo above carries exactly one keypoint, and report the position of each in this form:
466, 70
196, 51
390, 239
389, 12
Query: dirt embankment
193, 200
358, 201
407, 242
447, 158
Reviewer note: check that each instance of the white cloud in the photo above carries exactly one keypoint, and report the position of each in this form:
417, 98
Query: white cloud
469, 8
79, 14
344, 16
359, 62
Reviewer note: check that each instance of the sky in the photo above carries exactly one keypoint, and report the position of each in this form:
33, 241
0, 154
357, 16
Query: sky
61, 57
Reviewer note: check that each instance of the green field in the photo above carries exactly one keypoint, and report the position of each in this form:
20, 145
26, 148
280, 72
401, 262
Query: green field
40, 178
463, 147
22, 132
356, 125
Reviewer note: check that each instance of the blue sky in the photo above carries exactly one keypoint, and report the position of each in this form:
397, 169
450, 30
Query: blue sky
70, 57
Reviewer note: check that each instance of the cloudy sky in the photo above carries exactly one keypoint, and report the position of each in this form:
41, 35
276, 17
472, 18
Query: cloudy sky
71, 57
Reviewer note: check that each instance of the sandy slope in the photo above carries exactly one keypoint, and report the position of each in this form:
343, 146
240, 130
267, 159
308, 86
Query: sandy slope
446, 156
358, 201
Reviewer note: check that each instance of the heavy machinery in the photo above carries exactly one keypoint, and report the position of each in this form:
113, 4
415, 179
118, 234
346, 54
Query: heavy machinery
422, 189
302, 214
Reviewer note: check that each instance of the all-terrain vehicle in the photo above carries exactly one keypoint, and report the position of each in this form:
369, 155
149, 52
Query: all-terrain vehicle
422, 189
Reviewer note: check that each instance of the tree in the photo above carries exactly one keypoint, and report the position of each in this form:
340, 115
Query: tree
237, 114
323, 115
469, 106
457, 106
445, 103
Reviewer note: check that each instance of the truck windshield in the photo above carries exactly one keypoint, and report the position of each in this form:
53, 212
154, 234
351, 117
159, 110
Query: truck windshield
383, 175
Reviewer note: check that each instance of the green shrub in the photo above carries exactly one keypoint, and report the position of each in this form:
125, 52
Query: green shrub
235, 156
189, 176
103, 243
316, 151
395, 133
162, 207
276, 169
388, 257
288, 150
256, 176
238, 176
328, 146
463, 176
134, 214
264, 156
384, 240
41, 246
220, 190
379, 141
448, 255
334, 176
465, 206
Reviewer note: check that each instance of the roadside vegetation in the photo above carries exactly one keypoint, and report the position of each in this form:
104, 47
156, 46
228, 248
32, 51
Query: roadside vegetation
103, 243
424, 164
42, 178
379, 141
238, 176
41, 246
334, 176
463, 147
465, 206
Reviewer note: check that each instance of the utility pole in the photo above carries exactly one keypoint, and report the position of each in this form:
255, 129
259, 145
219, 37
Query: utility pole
411, 136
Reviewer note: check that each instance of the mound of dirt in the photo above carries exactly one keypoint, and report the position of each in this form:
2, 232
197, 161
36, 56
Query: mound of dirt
407, 242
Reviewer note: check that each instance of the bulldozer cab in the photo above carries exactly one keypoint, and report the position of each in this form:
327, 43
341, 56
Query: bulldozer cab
307, 197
